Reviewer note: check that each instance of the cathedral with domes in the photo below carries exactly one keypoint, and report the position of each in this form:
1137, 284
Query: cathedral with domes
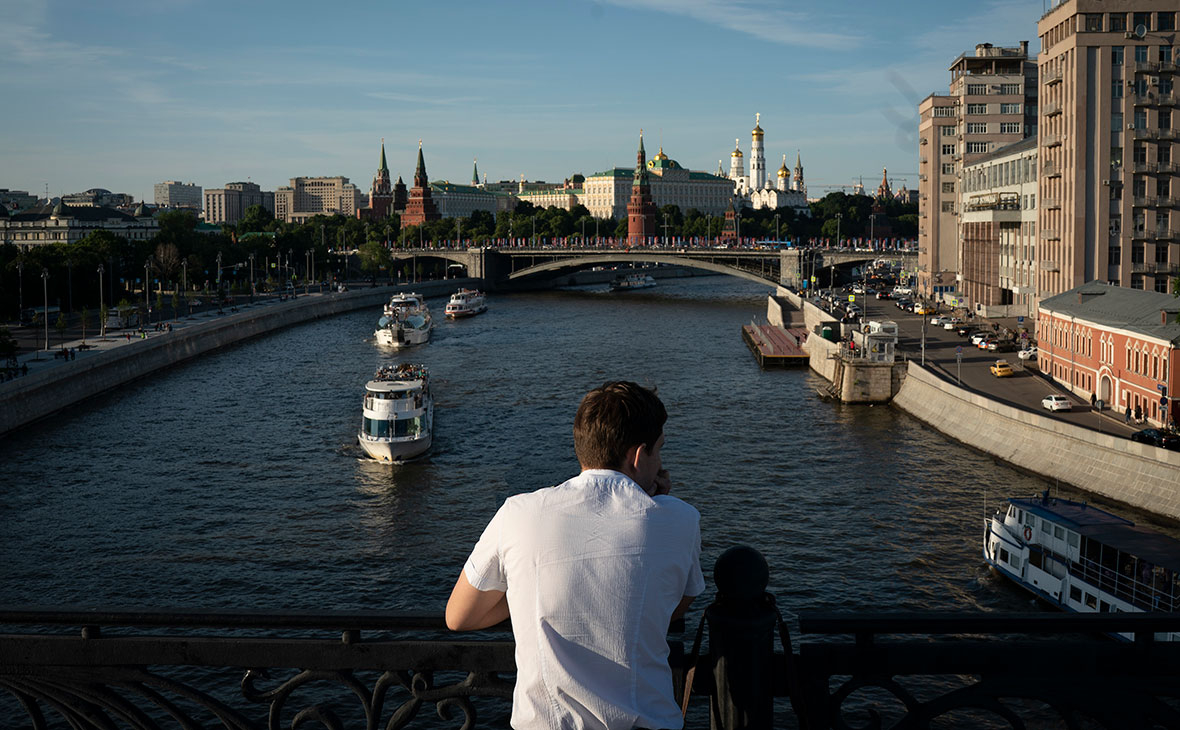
758, 190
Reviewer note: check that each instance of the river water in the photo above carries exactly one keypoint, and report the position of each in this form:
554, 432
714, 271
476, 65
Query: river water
234, 480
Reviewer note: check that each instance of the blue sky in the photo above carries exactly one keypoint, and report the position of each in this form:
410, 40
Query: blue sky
123, 94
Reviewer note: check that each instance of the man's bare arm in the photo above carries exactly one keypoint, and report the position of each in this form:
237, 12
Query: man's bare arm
681, 609
470, 608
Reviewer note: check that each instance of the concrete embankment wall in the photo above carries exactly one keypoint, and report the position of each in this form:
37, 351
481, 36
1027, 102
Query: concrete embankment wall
40, 394
1140, 475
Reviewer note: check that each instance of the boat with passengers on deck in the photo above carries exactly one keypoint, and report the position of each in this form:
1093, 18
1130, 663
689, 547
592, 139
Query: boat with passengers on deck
1084, 559
466, 303
397, 421
405, 321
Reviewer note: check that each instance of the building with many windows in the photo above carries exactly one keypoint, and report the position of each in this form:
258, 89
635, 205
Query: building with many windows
606, 194
1109, 187
997, 254
99, 197
1118, 343
991, 103
172, 194
16, 200
229, 204
63, 223
307, 197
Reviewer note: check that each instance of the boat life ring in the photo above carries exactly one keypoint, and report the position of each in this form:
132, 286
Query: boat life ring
1027, 533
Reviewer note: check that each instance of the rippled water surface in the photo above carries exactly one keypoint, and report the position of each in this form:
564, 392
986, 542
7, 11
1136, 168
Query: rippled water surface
234, 481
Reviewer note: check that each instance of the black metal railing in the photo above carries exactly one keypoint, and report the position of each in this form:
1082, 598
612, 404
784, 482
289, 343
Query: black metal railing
188, 669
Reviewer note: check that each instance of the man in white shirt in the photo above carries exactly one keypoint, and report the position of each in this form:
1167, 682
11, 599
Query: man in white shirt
591, 571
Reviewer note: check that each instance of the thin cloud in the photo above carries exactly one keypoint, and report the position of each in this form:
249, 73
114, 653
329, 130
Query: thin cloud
434, 100
762, 19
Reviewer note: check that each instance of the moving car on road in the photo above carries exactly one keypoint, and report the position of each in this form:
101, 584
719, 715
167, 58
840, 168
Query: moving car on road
1157, 437
1056, 403
1001, 369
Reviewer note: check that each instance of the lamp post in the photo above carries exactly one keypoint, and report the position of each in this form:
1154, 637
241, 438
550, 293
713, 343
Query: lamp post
45, 285
251, 257
290, 272
101, 303
147, 266
533, 240
20, 279
776, 217
583, 233
307, 268
872, 227
839, 218
737, 226
665, 230
596, 241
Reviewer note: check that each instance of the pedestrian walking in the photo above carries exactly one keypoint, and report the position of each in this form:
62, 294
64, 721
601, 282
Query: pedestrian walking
1127, 417
1093, 400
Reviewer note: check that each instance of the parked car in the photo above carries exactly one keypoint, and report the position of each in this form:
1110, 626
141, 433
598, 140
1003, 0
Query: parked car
1028, 353
975, 338
938, 320
1001, 369
1156, 437
950, 323
1056, 403
924, 309
884, 295
965, 330
984, 341
998, 345
903, 303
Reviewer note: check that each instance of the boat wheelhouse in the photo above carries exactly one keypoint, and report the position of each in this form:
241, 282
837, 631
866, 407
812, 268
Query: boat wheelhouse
397, 417
465, 303
637, 280
1084, 559
405, 321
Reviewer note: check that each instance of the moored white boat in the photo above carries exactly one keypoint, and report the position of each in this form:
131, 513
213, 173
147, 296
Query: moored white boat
632, 281
397, 420
1084, 559
466, 303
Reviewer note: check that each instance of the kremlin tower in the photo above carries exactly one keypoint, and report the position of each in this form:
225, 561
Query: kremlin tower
420, 207
737, 165
641, 211
381, 194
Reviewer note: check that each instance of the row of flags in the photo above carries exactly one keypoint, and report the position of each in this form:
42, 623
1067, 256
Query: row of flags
876, 244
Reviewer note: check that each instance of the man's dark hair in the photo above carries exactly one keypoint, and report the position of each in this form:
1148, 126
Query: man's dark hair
614, 417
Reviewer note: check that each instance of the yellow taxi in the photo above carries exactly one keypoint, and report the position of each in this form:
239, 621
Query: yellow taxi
1002, 369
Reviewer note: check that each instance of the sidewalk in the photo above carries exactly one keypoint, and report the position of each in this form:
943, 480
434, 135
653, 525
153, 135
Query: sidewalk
41, 360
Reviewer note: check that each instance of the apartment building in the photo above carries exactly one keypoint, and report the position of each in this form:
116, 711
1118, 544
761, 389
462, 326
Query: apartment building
307, 197
1109, 189
997, 274
991, 104
172, 194
229, 204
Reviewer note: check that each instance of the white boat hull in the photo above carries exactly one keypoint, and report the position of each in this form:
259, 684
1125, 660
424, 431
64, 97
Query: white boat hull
395, 450
398, 337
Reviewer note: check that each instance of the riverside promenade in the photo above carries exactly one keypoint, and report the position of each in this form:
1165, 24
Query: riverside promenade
54, 383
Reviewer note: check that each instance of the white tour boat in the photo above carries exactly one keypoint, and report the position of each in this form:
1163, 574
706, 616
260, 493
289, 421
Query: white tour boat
398, 413
406, 321
632, 281
1084, 559
466, 303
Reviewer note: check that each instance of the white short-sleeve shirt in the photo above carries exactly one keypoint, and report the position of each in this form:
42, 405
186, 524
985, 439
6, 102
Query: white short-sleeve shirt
593, 569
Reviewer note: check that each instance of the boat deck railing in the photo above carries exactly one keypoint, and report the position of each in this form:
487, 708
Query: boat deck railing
1158, 595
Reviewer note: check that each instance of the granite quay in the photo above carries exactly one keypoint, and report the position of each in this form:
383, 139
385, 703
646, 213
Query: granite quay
54, 384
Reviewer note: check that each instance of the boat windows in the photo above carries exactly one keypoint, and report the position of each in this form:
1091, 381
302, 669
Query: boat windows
1103, 607
1003, 555
1091, 600
375, 427
1046, 527
1058, 532
1036, 559
1020, 516
1075, 594
1071, 538
408, 427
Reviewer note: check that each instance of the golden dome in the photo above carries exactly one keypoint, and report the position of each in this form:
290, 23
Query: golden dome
737, 152
783, 171
757, 127
660, 155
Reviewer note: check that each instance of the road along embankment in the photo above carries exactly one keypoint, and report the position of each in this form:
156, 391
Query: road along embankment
1141, 475
45, 392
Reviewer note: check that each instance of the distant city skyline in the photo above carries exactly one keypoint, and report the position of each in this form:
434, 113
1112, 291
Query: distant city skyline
124, 95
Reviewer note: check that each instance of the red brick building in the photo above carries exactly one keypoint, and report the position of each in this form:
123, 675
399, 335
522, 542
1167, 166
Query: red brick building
421, 206
1117, 343
641, 211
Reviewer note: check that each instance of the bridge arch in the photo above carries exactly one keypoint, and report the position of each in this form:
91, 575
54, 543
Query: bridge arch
574, 263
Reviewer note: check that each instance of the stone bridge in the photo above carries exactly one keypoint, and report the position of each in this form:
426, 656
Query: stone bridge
525, 268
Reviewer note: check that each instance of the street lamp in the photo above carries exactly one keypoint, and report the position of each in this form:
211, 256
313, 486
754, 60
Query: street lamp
219, 276
665, 230
20, 278
737, 224
872, 226
839, 217
533, 240
45, 284
101, 303
776, 238
146, 270
251, 257
290, 273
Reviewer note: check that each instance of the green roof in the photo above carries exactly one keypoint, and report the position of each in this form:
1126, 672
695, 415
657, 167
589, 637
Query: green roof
615, 172
694, 175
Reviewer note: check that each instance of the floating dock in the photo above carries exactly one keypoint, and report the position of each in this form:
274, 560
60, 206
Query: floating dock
776, 347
